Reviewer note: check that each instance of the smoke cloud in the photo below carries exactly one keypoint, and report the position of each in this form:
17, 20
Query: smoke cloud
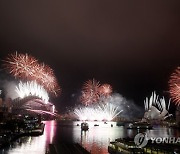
130, 110
8, 89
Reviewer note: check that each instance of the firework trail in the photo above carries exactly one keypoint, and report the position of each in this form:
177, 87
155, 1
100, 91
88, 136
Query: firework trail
174, 86
27, 67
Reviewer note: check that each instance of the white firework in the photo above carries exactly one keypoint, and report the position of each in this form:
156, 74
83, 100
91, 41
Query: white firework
32, 89
98, 112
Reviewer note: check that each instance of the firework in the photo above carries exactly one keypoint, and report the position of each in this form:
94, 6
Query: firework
45, 76
91, 86
32, 89
98, 112
90, 93
27, 67
93, 92
87, 98
105, 90
174, 86
21, 65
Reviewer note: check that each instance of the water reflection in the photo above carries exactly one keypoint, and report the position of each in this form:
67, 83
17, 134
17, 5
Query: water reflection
95, 140
33, 145
50, 130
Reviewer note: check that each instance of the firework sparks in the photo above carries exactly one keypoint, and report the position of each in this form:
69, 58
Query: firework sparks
98, 112
106, 90
91, 86
45, 76
27, 67
32, 89
174, 86
93, 91
90, 93
21, 65
97, 101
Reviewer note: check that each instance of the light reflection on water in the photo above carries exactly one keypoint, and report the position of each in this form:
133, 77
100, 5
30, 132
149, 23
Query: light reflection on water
95, 140
33, 145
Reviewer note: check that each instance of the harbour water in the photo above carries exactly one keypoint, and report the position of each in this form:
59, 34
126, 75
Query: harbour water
96, 139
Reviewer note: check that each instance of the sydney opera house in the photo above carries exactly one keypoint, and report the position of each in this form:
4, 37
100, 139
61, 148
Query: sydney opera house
156, 108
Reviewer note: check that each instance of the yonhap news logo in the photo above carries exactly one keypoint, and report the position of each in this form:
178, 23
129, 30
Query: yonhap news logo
142, 139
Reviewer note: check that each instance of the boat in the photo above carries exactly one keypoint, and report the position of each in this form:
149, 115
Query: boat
84, 126
127, 145
96, 125
139, 126
123, 146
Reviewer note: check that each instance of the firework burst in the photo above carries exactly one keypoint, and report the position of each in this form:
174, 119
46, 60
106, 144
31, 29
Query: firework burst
105, 90
91, 86
90, 93
27, 67
174, 86
93, 92
31, 89
21, 65
98, 112
45, 76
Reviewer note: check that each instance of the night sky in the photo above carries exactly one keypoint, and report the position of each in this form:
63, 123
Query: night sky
132, 45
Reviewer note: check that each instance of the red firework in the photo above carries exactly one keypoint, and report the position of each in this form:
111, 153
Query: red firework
21, 65
25, 66
90, 93
174, 86
105, 90
45, 76
91, 86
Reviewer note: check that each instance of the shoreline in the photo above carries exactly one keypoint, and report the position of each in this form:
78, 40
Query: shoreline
7, 138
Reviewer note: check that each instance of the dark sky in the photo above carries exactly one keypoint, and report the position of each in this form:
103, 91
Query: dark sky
133, 45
